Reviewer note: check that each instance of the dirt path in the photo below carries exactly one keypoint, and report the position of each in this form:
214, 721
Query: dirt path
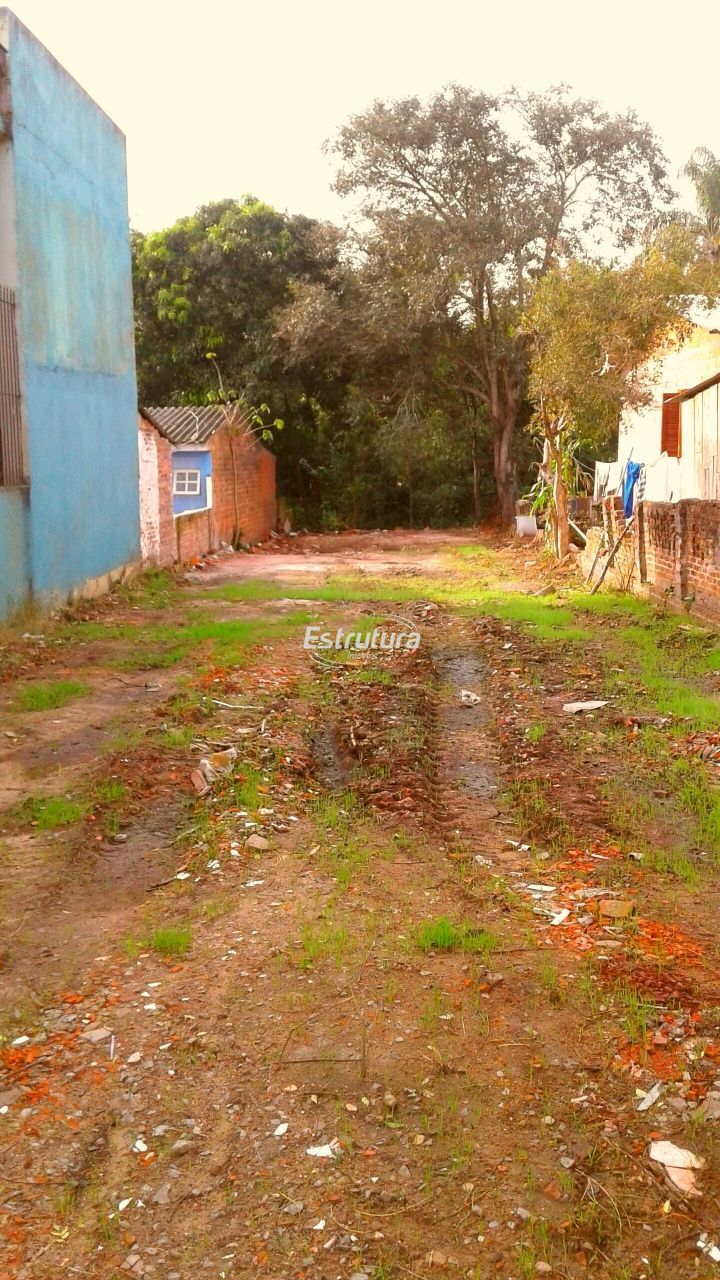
353, 1012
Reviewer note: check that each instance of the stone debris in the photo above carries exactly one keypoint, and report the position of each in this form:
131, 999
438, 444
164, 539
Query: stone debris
679, 1166
95, 1035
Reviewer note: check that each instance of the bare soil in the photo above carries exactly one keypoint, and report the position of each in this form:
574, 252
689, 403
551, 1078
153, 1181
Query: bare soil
299, 1090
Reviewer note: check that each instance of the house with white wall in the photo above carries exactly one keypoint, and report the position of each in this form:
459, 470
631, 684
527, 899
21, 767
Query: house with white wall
675, 435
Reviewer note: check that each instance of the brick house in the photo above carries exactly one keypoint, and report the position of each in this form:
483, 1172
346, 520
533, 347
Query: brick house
202, 483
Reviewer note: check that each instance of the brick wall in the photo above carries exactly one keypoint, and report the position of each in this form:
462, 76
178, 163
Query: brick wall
656, 540
193, 535
157, 534
254, 467
697, 536
671, 554
167, 538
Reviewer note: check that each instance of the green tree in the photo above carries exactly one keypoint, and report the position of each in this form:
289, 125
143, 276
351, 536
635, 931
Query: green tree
471, 198
591, 330
212, 282
703, 168
362, 327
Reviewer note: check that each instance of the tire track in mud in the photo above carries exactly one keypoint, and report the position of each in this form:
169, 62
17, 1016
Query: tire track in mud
467, 780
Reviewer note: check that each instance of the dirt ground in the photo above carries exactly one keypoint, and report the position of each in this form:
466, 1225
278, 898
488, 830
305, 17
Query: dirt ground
412, 984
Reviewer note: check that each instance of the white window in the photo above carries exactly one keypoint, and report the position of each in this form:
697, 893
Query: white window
187, 483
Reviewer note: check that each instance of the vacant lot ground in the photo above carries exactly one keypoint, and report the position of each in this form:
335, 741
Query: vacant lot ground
411, 988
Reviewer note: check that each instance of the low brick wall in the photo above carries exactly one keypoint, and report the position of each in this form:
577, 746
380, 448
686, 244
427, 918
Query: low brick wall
193, 535
672, 553
254, 468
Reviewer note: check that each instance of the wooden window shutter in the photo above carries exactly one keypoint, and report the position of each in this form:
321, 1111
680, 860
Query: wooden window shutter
670, 442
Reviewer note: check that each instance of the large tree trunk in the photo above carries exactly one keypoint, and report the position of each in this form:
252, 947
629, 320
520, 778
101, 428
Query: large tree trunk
562, 527
476, 475
504, 467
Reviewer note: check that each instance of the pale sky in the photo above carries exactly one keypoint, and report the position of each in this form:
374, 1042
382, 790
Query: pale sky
223, 98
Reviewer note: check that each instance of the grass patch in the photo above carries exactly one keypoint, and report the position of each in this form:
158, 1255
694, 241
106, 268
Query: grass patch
373, 675
335, 812
170, 940
350, 590
674, 863
153, 589
534, 807
550, 980
48, 695
666, 811
107, 799
225, 643
49, 812
637, 1013
322, 941
345, 845
546, 618
85, 632
177, 737
246, 789
443, 935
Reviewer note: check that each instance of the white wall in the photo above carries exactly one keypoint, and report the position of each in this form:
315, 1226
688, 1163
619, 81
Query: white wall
149, 497
641, 429
701, 445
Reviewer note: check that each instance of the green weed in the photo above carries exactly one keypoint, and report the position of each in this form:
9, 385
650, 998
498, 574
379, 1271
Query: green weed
550, 980
443, 935
48, 812
170, 940
535, 808
226, 643
48, 695
637, 1013
318, 942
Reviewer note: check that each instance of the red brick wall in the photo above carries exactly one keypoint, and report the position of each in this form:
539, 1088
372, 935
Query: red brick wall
255, 469
672, 554
193, 535
697, 549
656, 539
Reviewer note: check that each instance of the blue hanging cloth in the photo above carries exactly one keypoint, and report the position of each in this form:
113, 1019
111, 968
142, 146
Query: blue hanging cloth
632, 474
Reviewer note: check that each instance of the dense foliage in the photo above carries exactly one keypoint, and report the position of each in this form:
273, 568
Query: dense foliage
395, 354
244, 282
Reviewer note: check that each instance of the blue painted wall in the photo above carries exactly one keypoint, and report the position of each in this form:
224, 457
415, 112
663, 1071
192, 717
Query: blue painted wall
75, 324
191, 460
14, 563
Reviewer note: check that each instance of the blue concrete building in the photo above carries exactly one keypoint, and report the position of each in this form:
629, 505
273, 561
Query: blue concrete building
69, 505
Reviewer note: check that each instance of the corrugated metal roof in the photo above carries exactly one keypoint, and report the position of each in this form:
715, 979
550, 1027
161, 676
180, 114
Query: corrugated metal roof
188, 424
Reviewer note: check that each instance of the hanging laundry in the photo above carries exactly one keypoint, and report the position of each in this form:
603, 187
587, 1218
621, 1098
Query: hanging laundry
607, 479
632, 476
